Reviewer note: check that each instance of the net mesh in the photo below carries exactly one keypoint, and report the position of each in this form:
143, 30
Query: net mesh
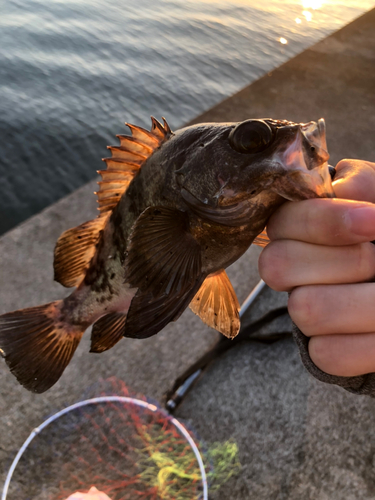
126, 451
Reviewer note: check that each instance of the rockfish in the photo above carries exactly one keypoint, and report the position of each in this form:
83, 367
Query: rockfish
176, 209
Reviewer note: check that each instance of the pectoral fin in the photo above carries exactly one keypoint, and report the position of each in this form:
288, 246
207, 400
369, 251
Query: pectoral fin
148, 315
164, 263
163, 256
217, 305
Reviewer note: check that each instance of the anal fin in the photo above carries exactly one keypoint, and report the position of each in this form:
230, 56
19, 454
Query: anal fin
217, 305
107, 331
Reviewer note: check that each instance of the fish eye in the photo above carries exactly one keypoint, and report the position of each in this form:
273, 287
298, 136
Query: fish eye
251, 136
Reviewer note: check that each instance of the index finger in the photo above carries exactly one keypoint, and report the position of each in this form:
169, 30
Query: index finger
324, 221
332, 222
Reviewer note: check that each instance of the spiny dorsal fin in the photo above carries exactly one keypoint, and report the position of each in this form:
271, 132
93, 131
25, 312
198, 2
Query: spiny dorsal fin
127, 159
76, 247
74, 250
262, 239
217, 305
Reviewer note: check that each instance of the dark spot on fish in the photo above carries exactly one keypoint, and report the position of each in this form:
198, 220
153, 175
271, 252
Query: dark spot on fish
206, 247
215, 314
79, 237
253, 191
157, 212
118, 237
97, 276
113, 275
312, 148
201, 145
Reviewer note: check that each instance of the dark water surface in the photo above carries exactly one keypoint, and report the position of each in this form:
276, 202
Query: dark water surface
71, 72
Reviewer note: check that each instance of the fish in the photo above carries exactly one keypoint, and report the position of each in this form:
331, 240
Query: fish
175, 210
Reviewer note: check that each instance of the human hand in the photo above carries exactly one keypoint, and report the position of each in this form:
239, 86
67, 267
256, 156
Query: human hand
320, 251
93, 494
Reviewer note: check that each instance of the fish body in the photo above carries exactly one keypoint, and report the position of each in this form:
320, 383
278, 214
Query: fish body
176, 209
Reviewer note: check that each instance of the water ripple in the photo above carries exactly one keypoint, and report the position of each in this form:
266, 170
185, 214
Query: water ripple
72, 71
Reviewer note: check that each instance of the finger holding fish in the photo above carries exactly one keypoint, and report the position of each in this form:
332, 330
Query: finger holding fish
332, 294
286, 264
331, 222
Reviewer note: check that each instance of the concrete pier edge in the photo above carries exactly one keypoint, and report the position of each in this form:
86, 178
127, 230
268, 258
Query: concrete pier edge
297, 438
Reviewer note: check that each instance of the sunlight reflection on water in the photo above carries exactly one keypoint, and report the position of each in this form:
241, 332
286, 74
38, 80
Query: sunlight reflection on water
73, 71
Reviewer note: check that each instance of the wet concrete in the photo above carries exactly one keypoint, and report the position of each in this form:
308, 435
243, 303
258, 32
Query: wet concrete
297, 438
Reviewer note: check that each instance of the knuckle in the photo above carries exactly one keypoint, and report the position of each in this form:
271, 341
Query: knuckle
326, 354
365, 261
321, 354
273, 265
313, 223
272, 227
344, 164
302, 308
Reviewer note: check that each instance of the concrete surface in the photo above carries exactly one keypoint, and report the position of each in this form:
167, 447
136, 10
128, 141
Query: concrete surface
298, 439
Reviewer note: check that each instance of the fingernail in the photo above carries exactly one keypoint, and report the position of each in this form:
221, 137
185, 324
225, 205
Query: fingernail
361, 221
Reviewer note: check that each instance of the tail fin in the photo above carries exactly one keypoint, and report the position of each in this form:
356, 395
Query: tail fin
38, 344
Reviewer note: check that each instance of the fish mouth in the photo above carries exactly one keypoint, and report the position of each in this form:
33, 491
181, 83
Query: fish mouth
304, 164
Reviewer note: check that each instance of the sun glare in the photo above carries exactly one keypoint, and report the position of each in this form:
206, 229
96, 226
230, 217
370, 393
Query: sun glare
312, 4
307, 14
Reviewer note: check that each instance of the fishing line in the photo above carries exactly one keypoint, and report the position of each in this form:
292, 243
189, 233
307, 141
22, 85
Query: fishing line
186, 381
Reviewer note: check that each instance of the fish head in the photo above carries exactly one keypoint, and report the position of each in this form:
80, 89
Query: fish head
256, 160
284, 158
297, 160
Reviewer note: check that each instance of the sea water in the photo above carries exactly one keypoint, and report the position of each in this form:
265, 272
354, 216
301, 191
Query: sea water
73, 71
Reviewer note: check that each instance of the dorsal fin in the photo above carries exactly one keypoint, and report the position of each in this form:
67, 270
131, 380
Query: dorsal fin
76, 247
262, 239
127, 159
74, 250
